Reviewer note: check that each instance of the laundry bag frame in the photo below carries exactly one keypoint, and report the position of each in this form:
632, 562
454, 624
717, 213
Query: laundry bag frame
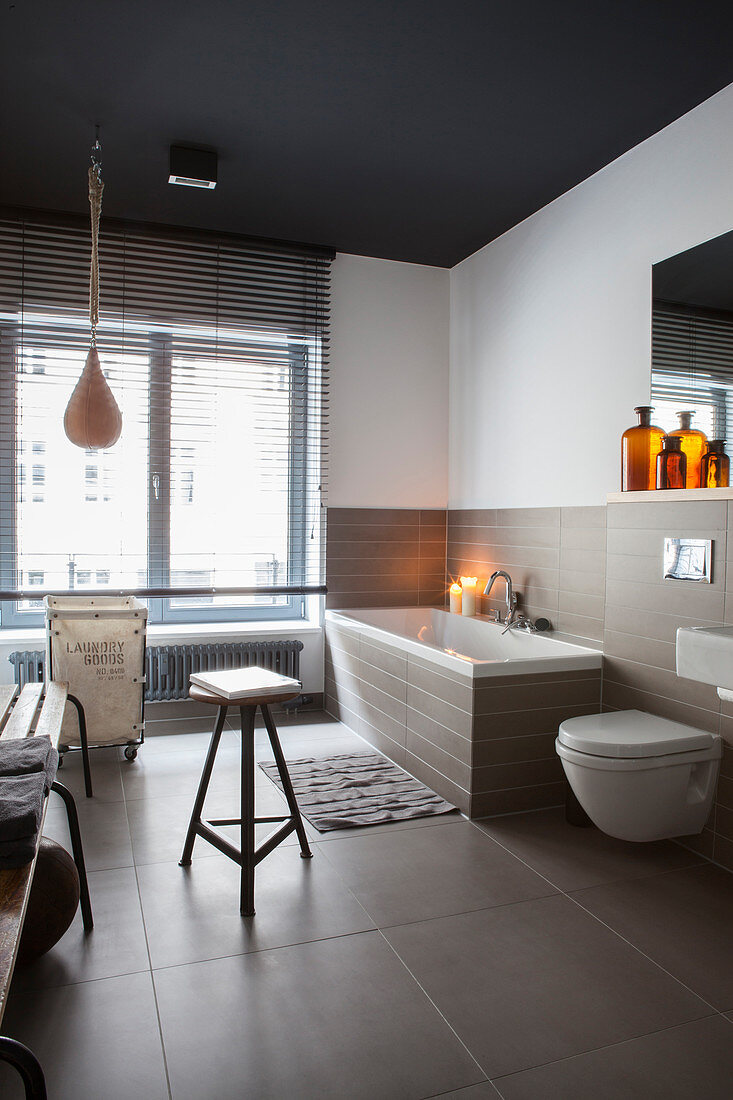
97, 645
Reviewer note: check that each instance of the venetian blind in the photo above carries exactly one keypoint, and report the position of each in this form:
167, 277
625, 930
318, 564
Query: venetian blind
692, 366
216, 349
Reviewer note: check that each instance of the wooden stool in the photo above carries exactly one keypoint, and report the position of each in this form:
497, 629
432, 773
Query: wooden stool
247, 856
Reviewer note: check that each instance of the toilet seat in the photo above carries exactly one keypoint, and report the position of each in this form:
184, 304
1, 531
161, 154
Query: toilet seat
632, 735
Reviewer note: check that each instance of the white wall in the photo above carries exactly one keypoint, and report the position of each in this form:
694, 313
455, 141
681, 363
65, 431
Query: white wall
550, 324
389, 385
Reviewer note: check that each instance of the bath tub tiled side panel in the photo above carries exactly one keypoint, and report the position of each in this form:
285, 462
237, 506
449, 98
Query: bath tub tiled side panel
366, 689
514, 765
487, 750
439, 718
385, 557
555, 557
380, 693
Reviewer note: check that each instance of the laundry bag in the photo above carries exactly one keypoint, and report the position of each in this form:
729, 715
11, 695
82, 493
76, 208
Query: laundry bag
97, 645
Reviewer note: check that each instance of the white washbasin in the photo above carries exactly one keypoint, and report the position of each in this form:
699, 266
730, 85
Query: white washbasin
705, 654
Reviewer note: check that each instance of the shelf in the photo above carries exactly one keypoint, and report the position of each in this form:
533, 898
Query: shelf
662, 495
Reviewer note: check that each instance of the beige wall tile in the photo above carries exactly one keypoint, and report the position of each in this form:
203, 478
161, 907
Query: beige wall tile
518, 799
378, 739
446, 715
439, 735
441, 784
527, 773
437, 758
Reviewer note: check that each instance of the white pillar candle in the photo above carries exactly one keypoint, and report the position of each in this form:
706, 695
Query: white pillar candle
468, 598
455, 598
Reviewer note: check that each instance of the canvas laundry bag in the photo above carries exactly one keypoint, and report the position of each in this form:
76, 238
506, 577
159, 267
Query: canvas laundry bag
97, 645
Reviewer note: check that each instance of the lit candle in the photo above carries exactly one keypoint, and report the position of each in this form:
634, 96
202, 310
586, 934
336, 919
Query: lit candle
468, 601
455, 598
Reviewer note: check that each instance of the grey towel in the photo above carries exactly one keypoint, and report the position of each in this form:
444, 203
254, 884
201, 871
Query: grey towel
21, 804
27, 755
16, 853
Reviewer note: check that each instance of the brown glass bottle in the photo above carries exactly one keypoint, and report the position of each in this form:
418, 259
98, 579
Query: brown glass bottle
694, 445
640, 446
715, 469
671, 464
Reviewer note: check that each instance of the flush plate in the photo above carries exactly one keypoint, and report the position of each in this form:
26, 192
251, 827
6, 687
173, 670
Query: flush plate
688, 560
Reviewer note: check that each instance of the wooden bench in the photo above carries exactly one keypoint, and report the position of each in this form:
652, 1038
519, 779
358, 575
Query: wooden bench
18, 719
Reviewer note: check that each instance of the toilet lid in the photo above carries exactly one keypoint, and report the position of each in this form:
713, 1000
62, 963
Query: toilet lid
631, 733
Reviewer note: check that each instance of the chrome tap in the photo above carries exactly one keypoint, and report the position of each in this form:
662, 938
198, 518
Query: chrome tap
511, 596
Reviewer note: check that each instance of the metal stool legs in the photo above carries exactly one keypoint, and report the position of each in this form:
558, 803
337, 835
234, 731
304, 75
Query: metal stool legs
247, 812
78, 852
27, 1065
305, 852
247, 855
185, 860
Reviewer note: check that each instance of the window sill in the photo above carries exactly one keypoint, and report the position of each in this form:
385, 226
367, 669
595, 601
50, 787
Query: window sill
172, 633
665, 495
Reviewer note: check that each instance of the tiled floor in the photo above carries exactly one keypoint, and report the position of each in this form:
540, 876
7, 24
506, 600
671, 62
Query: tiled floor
516, 958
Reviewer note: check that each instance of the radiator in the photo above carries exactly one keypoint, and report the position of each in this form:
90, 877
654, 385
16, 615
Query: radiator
168, 667
28, 665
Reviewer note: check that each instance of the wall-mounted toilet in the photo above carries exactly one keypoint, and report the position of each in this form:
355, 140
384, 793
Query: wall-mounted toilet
640, 777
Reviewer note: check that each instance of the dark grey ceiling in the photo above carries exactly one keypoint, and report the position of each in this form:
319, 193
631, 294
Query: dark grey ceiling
409, 129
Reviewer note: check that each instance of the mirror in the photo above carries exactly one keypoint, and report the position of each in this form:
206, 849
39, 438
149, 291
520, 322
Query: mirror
692, 338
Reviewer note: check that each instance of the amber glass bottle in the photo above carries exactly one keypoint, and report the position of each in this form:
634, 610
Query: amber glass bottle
671, 464
715, 471
640, 446
694, 446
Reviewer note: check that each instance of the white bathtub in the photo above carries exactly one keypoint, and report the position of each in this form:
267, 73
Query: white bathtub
472, 647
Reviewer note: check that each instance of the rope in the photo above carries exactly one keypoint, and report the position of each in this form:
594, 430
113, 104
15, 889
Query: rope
96, 187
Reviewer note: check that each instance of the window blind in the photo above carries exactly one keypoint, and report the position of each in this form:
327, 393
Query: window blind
692, 367
216, 349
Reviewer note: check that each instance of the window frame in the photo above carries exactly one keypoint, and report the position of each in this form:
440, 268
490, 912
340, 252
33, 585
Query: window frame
161, 351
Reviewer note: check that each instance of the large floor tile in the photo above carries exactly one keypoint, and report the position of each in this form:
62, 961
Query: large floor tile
682, 920
537, 981
335, 1020
158, 825
574, 858
695, 1060
163, 774
193, 913
105, 771
104, 830
194, 737
452, 818
485, 1091
116, 944
299, 747
413, 874
98, 1040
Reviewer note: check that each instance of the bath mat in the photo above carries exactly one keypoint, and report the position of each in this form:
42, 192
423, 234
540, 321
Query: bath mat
356, 788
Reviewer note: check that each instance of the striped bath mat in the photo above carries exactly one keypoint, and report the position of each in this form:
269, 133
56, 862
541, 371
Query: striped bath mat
356, 788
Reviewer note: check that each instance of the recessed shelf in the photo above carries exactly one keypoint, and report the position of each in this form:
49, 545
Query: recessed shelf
670, 494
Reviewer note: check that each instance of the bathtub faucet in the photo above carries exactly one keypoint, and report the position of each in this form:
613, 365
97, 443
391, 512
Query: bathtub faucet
511, 596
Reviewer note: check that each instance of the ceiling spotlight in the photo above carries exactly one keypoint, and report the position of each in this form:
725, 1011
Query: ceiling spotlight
192, 167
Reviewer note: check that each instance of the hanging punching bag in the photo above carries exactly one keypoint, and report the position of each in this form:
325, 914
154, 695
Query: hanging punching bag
92, 419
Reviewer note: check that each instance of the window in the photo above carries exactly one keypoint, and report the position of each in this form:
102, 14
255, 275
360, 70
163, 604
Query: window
692, 368
216, 351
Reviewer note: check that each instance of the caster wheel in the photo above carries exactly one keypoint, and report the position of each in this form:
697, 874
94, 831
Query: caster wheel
131, 752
